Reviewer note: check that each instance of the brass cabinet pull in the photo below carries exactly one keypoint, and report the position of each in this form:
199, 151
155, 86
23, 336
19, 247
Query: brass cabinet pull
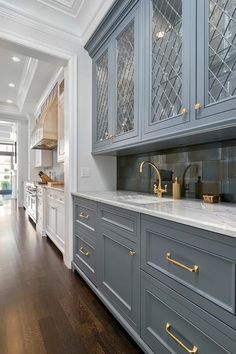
83, 252
132, 253
198, 106
184, 111
194, 350
195, 268
82, 215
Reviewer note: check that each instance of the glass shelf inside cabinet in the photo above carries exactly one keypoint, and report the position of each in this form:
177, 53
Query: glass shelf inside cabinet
222, 50
166, 59
125, 80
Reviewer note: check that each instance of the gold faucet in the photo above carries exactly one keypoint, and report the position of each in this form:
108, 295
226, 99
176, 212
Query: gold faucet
158, 190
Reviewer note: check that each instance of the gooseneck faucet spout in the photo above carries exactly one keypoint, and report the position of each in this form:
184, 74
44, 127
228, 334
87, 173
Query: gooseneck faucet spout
158, 190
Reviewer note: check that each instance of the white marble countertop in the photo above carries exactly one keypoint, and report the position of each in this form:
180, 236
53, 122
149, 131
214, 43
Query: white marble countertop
219, 218
58, 187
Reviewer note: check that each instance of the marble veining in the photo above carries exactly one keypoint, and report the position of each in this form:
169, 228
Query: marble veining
219, 218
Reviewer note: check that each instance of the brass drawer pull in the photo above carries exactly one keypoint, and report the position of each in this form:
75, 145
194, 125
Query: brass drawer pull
132, 253
83, 252
195, 268
194, 350
82, 215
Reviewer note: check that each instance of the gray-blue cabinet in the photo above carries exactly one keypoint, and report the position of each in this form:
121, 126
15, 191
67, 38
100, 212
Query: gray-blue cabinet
116, 69
119, 261
168, 72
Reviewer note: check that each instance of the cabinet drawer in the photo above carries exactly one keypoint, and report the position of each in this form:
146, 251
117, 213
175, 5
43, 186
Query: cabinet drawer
125, 222
84, 256
166, 326
208, 271
85, 212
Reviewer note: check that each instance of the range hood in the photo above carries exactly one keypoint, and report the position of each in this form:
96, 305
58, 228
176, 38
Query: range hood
45, 133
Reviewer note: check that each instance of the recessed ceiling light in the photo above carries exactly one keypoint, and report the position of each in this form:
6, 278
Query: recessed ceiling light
9, 101
16, 59
11, 84
160, 34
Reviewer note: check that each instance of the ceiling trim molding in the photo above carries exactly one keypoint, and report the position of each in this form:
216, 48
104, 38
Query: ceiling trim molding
6, 108
72, 9
27, 77
21, 17
57, 77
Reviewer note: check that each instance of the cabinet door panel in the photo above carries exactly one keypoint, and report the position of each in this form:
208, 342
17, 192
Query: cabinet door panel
60, 226
51, 219
216, 57
101, 97
168, 63
119, 274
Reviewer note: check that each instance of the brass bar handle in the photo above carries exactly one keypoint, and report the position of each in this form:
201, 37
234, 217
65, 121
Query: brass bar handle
198, 106
184, 111
194, 269
194, 350
131, 253
83, 252
82, 215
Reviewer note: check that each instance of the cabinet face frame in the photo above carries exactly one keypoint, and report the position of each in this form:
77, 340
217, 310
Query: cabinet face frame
214, 112
153, 128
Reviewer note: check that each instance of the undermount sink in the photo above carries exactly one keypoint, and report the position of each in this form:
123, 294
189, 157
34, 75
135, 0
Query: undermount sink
142, 199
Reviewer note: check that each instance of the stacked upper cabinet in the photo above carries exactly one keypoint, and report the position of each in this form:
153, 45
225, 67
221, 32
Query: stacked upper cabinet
116, 86
216, 61
167, 66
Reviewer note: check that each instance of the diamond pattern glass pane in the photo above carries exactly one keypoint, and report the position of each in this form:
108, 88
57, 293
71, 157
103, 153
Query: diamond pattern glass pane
102, 96
125, 80
222, 50
166, 59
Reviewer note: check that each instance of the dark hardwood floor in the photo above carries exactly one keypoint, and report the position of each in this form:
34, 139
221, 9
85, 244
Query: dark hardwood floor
44, 307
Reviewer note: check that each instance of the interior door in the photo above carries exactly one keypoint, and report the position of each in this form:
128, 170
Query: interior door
216, 58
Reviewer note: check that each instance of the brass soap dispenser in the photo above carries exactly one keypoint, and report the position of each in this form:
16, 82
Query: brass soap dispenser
176, 189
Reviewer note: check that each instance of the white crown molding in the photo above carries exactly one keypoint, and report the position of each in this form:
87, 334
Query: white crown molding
27, 77
93, 22
57, 77
20, 17
71, 7
10, 113
6, 108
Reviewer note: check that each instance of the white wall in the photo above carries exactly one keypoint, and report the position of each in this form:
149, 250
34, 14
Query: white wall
22, 159
102, 168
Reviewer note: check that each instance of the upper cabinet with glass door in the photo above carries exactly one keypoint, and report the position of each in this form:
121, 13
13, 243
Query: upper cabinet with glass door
216, 61
115, 86
167, 65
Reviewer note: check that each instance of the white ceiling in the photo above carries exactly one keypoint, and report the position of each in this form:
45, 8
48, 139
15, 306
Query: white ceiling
77, 17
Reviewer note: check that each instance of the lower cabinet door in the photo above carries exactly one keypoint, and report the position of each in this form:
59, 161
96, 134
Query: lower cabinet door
168, 327
119, 274
85, 257
60, 227
51, 219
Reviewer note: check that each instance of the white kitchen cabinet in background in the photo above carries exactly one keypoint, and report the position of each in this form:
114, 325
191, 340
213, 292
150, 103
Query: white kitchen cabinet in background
43, 158
55, 219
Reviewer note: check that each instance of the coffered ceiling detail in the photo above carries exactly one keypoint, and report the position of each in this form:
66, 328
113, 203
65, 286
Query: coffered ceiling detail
69, 7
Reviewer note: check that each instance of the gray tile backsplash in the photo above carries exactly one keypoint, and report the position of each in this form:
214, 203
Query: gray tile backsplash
215, 163
57, 169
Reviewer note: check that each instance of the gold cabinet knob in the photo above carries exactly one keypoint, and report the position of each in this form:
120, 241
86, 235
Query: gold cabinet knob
198, 106
85, 253
132, 253
184, 111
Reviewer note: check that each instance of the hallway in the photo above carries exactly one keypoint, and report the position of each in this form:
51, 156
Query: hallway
44, 307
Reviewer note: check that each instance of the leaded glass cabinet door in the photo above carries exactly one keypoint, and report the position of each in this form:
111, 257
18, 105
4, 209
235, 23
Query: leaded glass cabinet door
101, 98
168, 65
216, 60
126, 64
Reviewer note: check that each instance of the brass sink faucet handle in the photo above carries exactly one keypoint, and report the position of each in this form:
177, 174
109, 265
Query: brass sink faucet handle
158, 190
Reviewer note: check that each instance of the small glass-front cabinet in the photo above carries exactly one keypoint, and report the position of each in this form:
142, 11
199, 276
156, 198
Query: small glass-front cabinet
115, 86
216, 60
167, 64
101, 87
